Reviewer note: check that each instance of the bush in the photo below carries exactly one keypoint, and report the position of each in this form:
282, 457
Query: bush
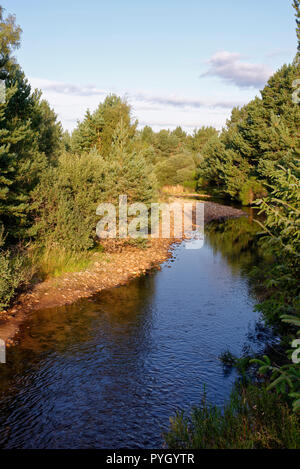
254, 418
65, 202
251, 190
282, 240
13, 274
175, 169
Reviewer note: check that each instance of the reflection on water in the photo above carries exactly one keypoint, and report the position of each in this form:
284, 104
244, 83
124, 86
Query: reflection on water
235, 240
109, 372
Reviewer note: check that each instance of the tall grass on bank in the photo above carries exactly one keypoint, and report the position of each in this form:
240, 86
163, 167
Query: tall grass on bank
56, 261
254, 418
23, 267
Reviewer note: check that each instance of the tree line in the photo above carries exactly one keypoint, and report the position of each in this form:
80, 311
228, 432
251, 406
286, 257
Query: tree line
255, 160
51, 182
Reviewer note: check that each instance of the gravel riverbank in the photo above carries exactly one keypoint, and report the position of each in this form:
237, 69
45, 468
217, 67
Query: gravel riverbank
117, 267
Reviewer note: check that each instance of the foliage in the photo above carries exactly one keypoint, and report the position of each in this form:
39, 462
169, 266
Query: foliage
254, 418
285, 379
258, 136
30, 137
200, 137
250, 189
127, 170
282, 239
9, 40
175, 154
65, 201
176, 169
97, 130
13, 273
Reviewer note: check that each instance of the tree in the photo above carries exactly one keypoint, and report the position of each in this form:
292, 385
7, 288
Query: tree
177, 169
10, 34
256, 138
49, 130
98, 128
64, 202
165, 144
199, 138
282, 240
128, 172
147, 135
29, 137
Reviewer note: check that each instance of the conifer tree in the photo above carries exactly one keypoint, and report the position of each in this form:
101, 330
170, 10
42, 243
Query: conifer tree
9, 41
262, 134
98, 128
29, 136
128, 172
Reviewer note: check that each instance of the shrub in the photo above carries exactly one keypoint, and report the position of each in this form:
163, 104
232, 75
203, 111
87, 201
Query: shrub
13, 274
251, 190
254, 418
65, 202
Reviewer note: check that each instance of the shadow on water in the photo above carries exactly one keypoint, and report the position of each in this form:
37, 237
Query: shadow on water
108, 372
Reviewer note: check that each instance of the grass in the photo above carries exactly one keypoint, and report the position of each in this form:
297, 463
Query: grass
140, 243
31, 264
54, 262
254, 418
15, 272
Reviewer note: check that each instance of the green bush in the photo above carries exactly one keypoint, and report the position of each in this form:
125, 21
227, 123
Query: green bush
175, 169
13, 274
251, 190
65, 202
254, 418
282, 239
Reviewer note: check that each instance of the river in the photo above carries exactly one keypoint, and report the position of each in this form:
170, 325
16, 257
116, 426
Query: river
109, 371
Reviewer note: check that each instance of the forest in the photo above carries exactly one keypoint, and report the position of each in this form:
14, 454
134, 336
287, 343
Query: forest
51, 183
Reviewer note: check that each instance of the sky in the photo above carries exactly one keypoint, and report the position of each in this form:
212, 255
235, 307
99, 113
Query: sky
176, 62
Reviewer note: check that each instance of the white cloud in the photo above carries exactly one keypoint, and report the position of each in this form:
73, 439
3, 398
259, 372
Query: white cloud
181, 102
70, 101
229, 67
67, 88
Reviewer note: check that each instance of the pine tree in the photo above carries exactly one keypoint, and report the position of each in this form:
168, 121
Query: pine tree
29, 136
262, 134
199, 138
98, 128
65, 200
9, 40
128, 172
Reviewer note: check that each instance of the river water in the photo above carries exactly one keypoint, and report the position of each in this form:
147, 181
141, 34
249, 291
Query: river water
108, 372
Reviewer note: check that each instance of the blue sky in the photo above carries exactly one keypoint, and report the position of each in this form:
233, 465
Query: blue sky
177, 62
